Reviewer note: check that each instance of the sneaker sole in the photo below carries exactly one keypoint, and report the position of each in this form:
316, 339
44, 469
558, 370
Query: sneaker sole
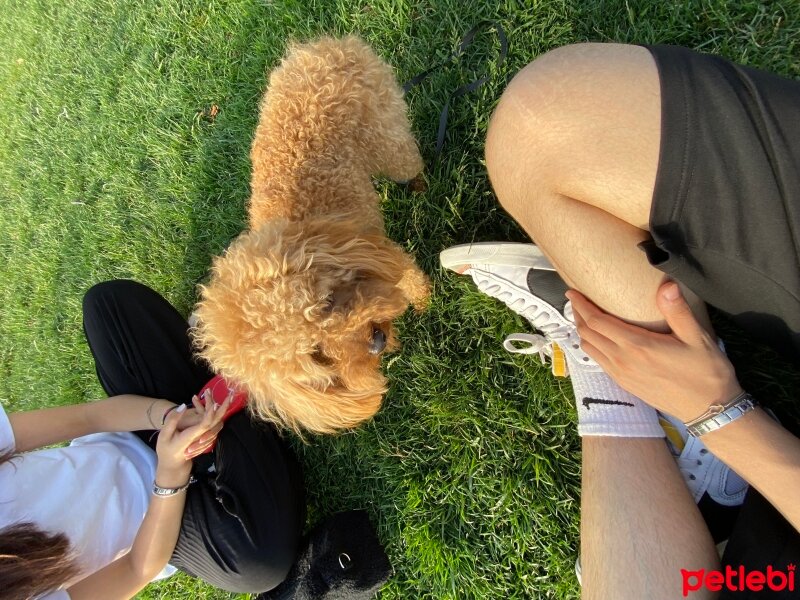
494, 253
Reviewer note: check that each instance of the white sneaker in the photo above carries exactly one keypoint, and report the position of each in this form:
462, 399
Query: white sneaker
510, 272
702, 471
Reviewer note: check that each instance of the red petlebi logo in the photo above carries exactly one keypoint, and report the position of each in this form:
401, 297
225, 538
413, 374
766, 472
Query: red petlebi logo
738, 580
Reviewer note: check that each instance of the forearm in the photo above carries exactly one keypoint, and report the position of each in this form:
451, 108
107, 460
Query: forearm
151, 550
766, 455
158, 533
128, 412
37, 428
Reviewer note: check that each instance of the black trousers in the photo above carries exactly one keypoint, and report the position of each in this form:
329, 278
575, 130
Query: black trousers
244, 517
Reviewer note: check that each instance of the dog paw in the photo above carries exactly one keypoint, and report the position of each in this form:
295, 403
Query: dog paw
418, 185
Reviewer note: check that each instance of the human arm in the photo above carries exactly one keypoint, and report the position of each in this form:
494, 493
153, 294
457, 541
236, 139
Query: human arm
682, 373
158, 533
128, 412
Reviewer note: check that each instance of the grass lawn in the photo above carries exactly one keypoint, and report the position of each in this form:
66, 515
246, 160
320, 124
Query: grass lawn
113, 164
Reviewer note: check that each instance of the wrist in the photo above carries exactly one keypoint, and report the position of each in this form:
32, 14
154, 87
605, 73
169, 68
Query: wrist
157, 412
169, 407
170, 492
173, 476
697, 408
721, 415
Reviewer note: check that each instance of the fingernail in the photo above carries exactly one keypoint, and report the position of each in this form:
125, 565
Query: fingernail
671, 292
181, 408
216, 406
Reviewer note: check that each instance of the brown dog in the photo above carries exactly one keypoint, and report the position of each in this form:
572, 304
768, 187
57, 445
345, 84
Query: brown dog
299, 309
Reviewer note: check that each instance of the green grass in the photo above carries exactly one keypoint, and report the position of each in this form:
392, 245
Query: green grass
112, 166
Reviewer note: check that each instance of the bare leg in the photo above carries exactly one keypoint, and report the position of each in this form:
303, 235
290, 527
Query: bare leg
572, 152
639, 525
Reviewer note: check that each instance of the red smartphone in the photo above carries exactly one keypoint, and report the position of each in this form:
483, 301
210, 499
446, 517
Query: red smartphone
217, 390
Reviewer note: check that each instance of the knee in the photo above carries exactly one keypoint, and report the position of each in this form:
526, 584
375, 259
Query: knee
103, 294
518, 139
548, 108
96, 294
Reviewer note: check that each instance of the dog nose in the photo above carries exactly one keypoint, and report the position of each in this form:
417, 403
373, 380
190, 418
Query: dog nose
378, 341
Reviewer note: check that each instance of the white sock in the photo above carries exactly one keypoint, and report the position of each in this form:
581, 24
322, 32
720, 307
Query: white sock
604, 408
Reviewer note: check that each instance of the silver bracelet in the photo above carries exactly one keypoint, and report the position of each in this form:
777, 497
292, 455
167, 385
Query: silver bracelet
719, 415
167, 492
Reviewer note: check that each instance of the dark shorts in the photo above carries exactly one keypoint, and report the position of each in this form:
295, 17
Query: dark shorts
726, 207
725, 222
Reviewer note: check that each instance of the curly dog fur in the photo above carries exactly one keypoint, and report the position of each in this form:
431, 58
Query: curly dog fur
298, 308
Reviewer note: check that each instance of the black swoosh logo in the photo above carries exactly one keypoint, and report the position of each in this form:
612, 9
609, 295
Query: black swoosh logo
587, 401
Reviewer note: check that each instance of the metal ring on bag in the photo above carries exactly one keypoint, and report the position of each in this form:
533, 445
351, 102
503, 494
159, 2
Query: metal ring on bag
349, 560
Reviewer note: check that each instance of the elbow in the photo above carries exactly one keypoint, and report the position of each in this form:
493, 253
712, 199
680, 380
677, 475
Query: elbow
146, 570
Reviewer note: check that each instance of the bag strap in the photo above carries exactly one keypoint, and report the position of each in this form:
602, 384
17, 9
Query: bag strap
467, 88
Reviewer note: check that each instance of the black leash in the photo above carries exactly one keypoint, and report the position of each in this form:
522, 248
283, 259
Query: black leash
467, 88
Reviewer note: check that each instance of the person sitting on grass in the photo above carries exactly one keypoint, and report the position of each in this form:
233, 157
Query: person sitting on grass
635, 168
104, 516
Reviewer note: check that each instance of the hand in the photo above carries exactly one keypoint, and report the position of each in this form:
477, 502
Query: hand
175, 448
191, 416
681, 373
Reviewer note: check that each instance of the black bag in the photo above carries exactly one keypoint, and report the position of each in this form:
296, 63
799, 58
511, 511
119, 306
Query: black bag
343, 560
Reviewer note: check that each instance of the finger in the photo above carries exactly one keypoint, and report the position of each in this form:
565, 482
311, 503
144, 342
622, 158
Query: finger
212, 421
171, 422
583, 308
587, 335
197, 404
209, 410
215, 413
205, 423
194, 455
580, 302
679, 314
197, 448
607, 325
222, 409
202, 442
208, 435
598, 357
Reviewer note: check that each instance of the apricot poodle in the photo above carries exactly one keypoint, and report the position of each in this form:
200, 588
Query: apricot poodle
299, 308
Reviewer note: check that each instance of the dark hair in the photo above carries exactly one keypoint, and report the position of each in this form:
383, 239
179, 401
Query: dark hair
32, 562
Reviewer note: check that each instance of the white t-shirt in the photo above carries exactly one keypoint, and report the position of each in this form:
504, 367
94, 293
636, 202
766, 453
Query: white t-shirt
96, 491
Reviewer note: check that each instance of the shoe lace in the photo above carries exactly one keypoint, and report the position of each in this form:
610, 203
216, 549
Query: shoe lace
540, 316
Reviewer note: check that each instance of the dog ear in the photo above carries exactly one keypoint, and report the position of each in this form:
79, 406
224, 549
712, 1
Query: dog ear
415, 286
348, 244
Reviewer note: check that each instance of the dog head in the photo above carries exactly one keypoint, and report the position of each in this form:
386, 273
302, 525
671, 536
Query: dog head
300, 312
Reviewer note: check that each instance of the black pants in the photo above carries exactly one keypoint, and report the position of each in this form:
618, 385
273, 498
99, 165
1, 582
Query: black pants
244, 517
